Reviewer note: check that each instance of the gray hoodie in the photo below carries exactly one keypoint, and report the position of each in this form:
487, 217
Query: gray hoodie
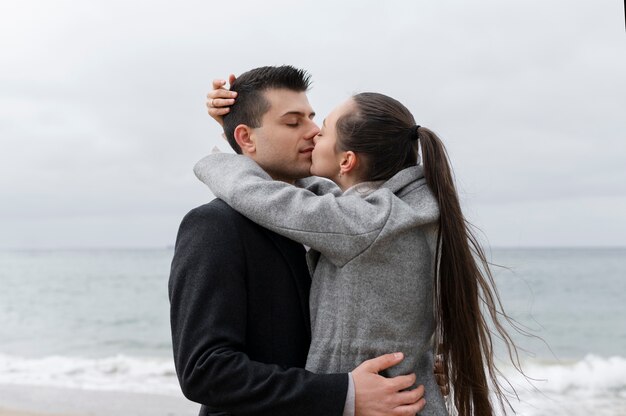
372, 261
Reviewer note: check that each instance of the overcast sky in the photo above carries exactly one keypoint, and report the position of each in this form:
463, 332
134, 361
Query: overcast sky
102, 111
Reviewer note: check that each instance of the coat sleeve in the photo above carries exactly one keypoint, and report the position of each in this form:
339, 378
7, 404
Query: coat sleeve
207, 294
319, 186
339, 227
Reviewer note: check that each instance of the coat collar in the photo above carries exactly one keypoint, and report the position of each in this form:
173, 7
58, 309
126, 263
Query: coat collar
405, 177
395, 184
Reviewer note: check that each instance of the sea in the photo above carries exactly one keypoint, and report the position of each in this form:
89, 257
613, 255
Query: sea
99, 320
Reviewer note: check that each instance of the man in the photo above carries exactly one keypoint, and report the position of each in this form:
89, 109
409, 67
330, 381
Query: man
239, 293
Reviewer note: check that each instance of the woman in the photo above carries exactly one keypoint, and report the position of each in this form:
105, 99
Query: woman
392, 257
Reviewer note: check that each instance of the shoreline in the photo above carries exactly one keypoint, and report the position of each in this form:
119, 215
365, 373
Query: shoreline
12, 412
25, 400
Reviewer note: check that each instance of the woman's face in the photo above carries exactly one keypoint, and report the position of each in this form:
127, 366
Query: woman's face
326, 156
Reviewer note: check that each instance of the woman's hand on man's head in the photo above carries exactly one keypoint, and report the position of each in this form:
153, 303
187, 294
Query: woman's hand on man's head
219, 99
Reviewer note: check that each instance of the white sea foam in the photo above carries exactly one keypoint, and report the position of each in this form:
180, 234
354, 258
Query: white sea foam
118, 373
593, 385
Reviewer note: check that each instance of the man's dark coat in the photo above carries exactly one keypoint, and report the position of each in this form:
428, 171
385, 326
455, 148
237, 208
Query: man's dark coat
240, 320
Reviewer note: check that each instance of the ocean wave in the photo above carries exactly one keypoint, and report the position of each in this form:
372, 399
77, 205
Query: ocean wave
593, 385
590, 376
117, 373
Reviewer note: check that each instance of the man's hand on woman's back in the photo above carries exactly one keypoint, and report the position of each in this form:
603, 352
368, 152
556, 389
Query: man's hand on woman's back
376, 395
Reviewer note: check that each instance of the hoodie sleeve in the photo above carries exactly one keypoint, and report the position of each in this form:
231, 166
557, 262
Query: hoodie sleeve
319, 186
339, 227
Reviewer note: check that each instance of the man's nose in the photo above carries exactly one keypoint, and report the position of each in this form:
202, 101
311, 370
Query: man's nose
312, 131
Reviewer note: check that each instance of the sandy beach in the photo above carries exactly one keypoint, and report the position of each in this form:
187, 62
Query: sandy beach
12, 412
51, 401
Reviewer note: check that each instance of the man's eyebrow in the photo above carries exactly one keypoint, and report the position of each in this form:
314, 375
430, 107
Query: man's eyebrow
298, 113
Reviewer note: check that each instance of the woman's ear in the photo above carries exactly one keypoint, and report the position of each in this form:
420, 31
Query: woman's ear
349, 163
243, 137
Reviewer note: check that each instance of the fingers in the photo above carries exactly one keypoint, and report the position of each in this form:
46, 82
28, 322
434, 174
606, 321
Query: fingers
221, 93
219, 102
442, 382
402, 382
409, 397
442, 379
410, 410
438, 364
219, 99
218, 107
380, 363
218, 83
218, 112
441, 375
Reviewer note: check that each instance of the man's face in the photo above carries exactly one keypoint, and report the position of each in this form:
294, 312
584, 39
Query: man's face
284, 142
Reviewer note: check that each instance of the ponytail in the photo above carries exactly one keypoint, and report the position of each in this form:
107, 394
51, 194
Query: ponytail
462, 278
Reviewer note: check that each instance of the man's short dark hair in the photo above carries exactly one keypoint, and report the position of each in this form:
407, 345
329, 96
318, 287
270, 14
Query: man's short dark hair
250, 104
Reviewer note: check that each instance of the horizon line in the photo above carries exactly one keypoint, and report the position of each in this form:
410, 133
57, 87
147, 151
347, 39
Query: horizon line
171, 247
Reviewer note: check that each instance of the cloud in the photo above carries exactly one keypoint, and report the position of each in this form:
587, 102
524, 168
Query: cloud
102, 104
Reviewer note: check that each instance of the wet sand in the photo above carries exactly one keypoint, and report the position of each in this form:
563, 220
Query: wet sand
51, 401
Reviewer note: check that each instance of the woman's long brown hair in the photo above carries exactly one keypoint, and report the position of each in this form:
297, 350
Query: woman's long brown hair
382, 131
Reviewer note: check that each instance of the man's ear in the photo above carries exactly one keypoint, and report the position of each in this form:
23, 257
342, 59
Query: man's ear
243, 138
349, 162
